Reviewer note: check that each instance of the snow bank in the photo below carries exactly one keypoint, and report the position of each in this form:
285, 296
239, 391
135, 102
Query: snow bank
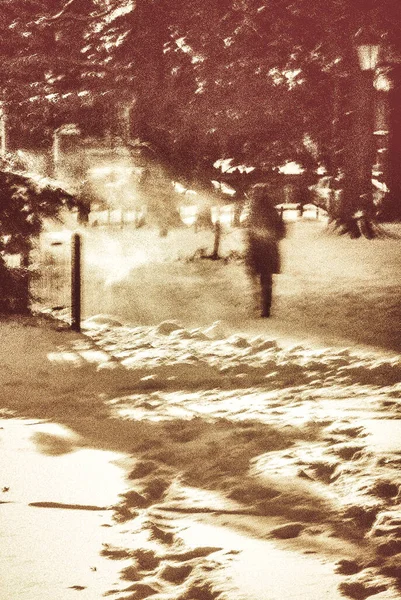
276, 440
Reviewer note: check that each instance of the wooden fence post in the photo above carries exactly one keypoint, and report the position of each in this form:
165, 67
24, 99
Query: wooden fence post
76, 282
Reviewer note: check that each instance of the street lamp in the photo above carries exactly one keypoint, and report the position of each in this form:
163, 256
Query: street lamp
368, 47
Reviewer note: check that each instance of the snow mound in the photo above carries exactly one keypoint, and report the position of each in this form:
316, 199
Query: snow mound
100, 321
167, 327
216, 331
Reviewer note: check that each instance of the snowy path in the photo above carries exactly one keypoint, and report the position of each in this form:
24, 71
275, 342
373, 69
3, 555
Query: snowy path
55, 513
295, 445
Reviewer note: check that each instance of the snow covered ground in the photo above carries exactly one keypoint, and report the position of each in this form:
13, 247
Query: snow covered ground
264, 455
332, 289
278, 442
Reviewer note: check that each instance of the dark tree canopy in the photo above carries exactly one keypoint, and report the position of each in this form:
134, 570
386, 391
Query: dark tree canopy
259, 81
247, 79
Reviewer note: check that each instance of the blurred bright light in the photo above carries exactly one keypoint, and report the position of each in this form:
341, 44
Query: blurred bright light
224, 188
223, 214
382, 83
224, 164
291, 168
189, 214
118, 171
179, 188
58, 237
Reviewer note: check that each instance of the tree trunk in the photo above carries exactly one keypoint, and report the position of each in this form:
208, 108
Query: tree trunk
356, 209
392, 207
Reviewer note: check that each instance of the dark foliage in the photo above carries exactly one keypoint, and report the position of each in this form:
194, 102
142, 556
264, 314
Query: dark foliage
259, 81
24, 204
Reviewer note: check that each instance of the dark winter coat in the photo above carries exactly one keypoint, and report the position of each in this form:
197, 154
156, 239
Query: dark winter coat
265, 228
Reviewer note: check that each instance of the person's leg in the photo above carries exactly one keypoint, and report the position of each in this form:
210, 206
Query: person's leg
255, 296
266, 281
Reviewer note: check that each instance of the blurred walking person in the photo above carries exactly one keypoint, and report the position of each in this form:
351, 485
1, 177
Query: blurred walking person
265, 229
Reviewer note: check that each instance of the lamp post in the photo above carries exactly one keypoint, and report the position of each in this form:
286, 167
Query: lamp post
383, 86
367, 48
